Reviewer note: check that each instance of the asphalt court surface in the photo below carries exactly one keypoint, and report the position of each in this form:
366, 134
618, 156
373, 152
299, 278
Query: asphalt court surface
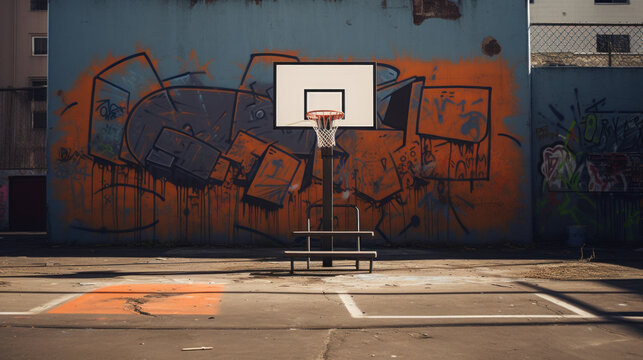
288, 306
462, 305
153, 306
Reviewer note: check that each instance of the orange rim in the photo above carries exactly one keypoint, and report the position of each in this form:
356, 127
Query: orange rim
325, 115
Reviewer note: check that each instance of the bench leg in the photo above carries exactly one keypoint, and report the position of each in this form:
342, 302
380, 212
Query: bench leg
307, 263
357, 264
292, 266
370, 267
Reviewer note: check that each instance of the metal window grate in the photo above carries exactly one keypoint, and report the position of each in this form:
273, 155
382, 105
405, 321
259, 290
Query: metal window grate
39, 5
612, 43
39, 89
39, 45
39, 119
586, 45
611, 1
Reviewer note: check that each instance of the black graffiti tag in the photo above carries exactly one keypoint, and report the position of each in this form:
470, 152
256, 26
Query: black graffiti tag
109, 111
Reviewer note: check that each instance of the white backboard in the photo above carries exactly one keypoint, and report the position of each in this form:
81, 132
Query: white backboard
348, 87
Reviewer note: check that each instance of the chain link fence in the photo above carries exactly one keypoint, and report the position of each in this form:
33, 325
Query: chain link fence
586, 45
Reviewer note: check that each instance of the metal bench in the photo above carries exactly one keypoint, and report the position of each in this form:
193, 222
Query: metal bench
356, 255
346, 255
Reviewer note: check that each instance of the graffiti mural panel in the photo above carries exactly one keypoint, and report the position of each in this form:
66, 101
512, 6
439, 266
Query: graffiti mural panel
589, 142
274, 176
455, 113
162, 128
175, 160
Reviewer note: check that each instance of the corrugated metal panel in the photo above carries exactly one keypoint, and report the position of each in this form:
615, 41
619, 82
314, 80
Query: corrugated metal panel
22, 146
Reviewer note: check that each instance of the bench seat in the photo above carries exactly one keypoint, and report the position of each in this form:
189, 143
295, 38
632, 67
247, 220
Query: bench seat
346, 255
334, 233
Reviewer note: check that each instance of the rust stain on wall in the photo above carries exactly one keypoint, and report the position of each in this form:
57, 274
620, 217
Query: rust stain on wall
490, 46
194, 2
442, 9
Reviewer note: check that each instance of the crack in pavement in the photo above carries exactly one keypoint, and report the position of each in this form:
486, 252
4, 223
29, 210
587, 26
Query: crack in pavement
136, 304
324, 354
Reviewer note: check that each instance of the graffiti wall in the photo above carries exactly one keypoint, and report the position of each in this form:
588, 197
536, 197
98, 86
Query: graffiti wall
162, 126
588, 141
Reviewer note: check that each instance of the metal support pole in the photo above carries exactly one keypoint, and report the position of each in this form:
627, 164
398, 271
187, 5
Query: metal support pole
327, 199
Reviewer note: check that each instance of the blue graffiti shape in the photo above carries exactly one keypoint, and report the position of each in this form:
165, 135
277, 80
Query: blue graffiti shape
473, 120
174, 150
130, 186
261, 233
511, 137
415, 222
105, 230
274, 176
68, 107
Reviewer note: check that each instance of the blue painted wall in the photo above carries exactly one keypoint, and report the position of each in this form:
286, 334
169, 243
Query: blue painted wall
155, 133
588, 137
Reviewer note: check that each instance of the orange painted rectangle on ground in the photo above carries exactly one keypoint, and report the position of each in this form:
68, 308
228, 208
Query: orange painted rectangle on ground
147, 299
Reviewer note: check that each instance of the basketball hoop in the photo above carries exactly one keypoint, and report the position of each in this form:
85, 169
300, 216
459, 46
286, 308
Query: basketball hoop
325, 125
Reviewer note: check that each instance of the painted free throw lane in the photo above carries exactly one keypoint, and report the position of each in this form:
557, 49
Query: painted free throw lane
152, 299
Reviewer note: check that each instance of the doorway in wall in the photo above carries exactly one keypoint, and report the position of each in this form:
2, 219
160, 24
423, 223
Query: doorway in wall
28, 203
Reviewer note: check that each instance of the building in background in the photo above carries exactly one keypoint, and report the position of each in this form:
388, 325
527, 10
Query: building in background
23, 114
586, 11
586, 32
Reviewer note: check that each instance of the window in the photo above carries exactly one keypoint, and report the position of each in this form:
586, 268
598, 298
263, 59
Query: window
39, 119
39, 105
611, 1
39, 5
40, 89
39, 45
612, 43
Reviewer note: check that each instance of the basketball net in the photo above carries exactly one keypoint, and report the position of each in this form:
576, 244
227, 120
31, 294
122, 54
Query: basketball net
325, 125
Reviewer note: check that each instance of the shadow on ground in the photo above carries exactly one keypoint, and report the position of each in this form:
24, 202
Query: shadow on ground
38, 246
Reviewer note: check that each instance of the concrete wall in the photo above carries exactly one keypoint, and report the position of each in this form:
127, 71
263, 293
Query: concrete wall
588, 136
585, 11
17, 24
448, 162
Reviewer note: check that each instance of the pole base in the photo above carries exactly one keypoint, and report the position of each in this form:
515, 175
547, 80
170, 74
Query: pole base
327, 200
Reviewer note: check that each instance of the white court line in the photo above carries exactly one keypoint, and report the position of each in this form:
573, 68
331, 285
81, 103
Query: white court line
356, 313
16, 313
567, 306
41, 308
351, 306
519, 316
52, 303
